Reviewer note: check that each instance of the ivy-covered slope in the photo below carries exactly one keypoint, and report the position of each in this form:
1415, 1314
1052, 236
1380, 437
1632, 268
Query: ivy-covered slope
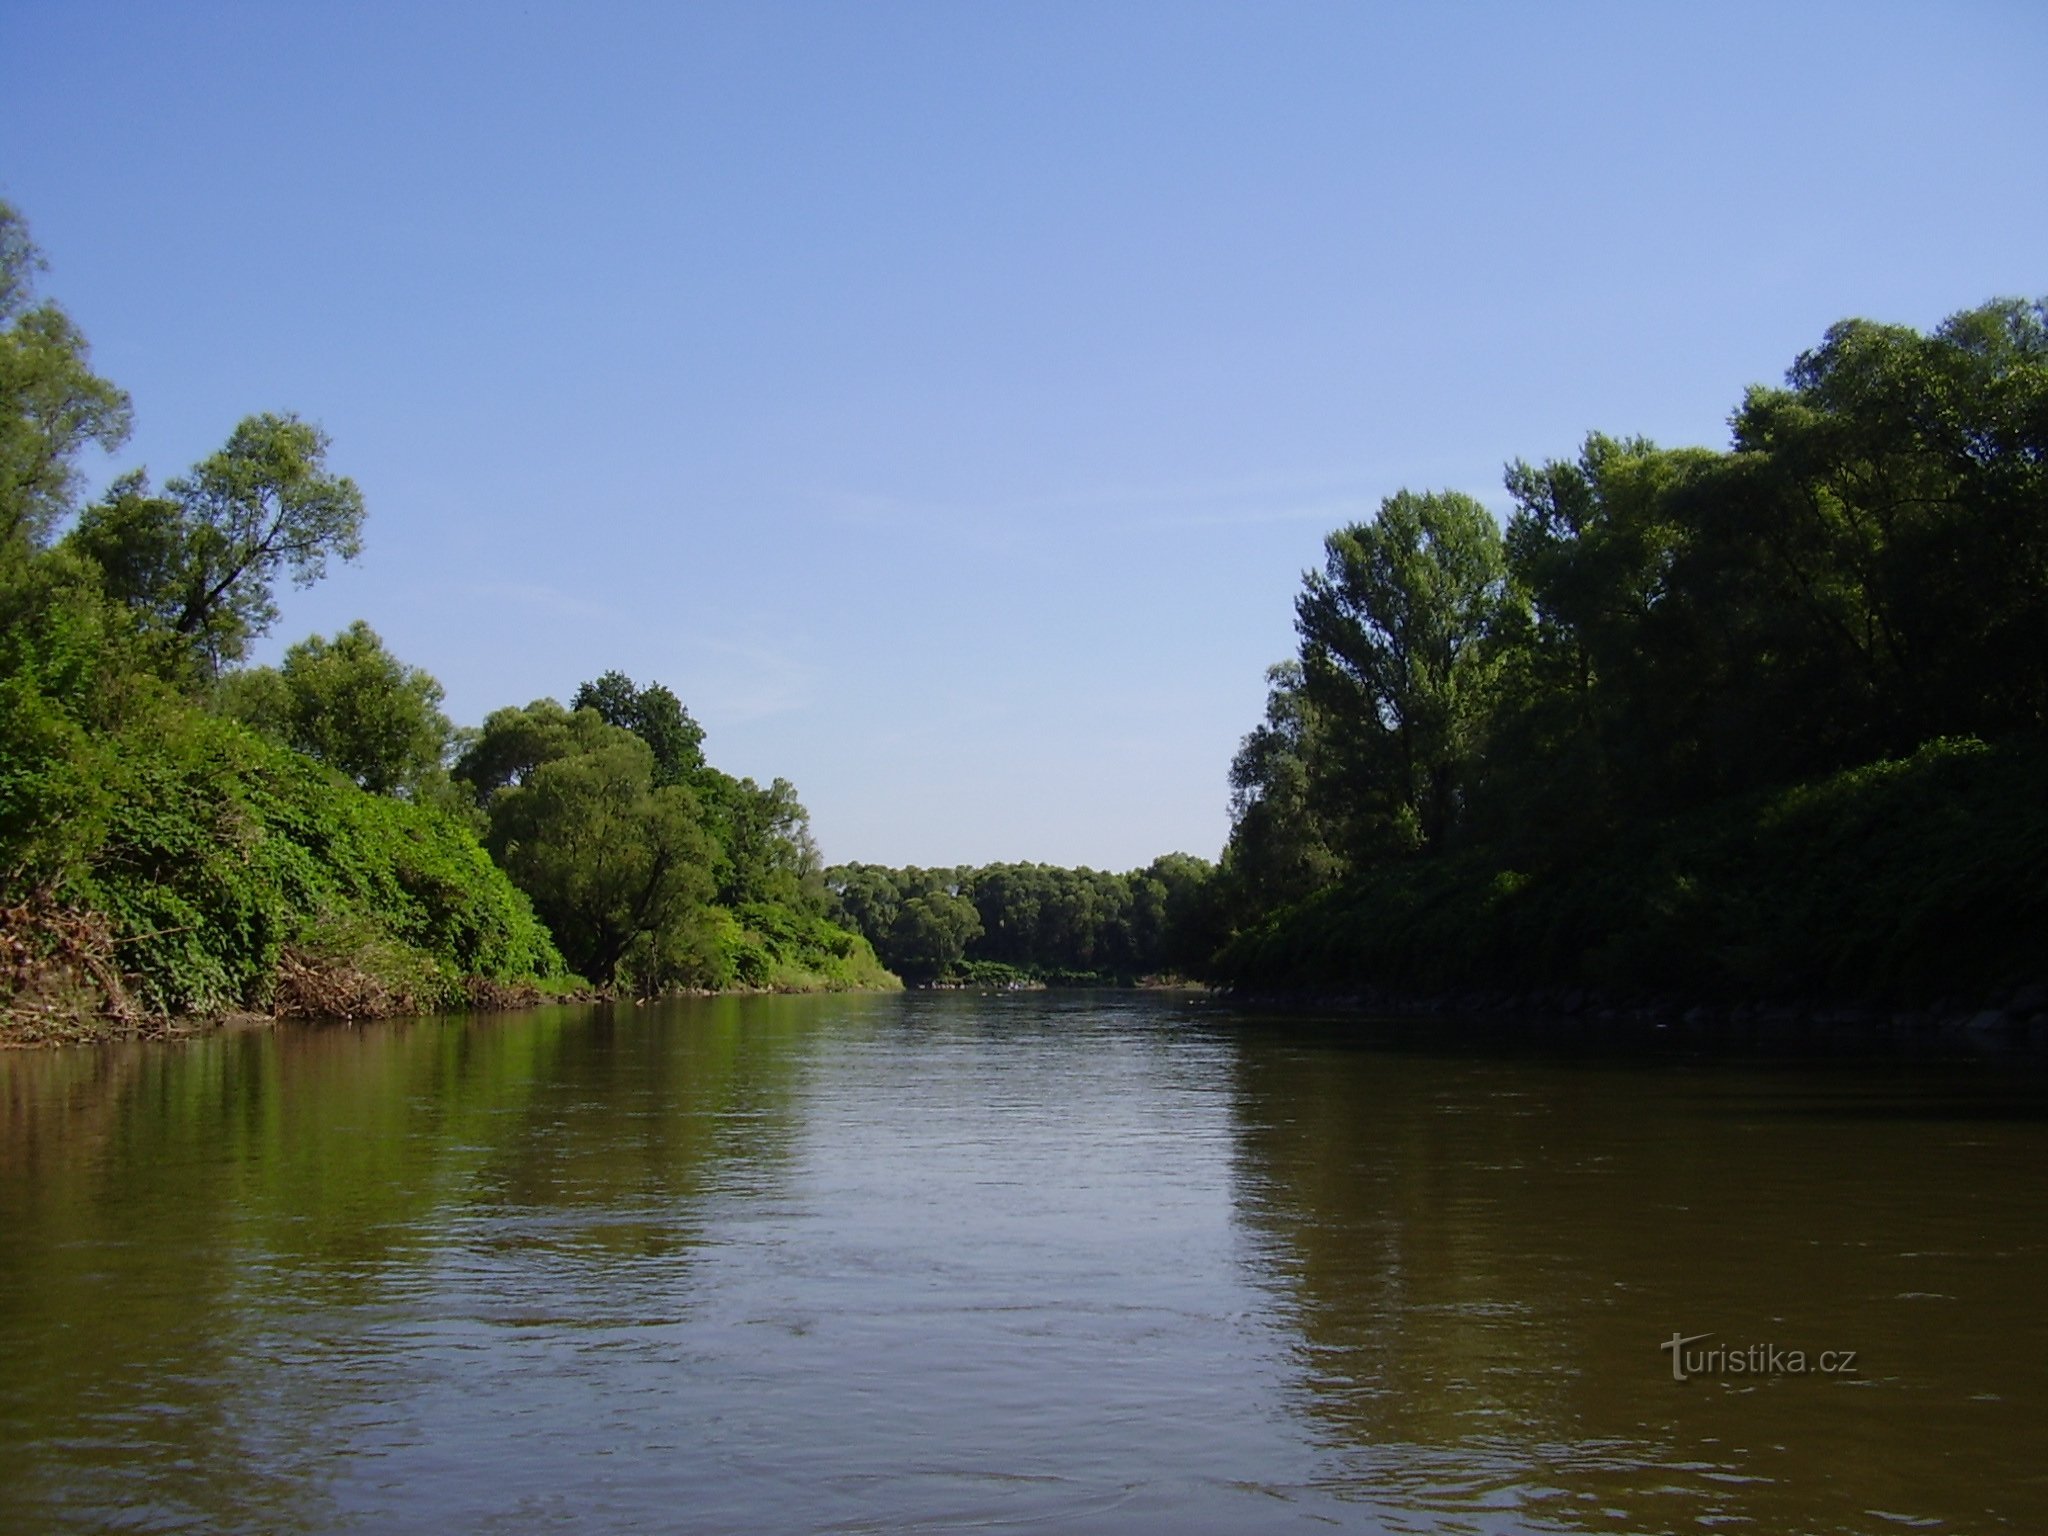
161, 860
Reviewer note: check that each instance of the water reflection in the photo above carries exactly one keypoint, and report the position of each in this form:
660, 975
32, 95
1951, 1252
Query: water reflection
1482, 1253
228, 1259
934, 1263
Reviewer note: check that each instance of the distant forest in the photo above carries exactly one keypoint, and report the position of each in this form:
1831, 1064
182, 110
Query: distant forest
1757, 723
1011, 923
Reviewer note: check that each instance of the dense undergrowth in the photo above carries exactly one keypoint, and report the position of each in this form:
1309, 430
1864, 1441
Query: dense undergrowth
163, 860
1907, 881
166, 861
772, 947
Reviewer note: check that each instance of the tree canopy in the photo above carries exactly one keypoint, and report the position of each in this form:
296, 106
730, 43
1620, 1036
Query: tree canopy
349, 703
656, 716
198, 833
1034, 920
52, 405
203, 559
1396, 633
1853, 594
612, 862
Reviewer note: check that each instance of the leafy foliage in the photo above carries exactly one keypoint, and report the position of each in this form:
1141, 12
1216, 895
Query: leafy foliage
203, 559
52, 405
1687, 677
610, 860
210, 850
1906, 880
656, 716
655, 872
1397, 659
349, 703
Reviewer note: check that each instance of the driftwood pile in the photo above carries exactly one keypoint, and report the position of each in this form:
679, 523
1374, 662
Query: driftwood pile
59, 979
311, 986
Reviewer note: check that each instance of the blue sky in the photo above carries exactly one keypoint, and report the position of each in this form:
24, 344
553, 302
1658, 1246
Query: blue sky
945, 399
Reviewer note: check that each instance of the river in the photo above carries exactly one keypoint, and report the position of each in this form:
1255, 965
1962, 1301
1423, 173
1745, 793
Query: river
1071, 1262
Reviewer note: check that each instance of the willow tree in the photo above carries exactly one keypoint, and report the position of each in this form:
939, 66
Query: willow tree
616, 865
202, 560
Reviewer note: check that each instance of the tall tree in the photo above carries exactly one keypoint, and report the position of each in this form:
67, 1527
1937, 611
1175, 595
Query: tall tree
765, 851
203, 559
51, 402
656, 716
865, 899
614, 864
930, 933
1395, 633
1609, 665
1282, 840
1895, 496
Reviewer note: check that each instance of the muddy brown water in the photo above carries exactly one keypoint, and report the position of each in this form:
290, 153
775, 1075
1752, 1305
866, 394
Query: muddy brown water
1066, 1262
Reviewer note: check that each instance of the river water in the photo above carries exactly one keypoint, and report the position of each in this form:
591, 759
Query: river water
1070, 1262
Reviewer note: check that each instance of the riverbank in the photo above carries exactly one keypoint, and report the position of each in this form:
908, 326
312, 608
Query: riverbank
1912, 889
65, 988
31, 1028
2014, 1020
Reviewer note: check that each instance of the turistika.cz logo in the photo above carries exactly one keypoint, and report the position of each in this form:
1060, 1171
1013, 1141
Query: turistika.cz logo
1754, 1360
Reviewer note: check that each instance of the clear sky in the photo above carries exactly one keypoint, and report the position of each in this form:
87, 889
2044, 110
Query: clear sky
945, 399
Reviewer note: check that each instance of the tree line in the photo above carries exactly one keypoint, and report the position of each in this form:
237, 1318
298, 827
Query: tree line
1770, 716
1033, 922
1658, 637
183, 832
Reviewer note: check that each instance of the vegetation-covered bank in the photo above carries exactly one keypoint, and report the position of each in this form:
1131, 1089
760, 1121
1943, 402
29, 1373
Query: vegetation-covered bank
1737, 726
163, 861
1914, 883
185, 836
1757, 725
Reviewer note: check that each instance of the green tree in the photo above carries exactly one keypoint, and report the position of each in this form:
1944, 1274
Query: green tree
764, 847
1893, 501
864, 898
1188, 927
1608, 662
656, 716
515, 741
52, 405
349, 703
1282, 845
1395, 654
931, 932
203, 559
611, 862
